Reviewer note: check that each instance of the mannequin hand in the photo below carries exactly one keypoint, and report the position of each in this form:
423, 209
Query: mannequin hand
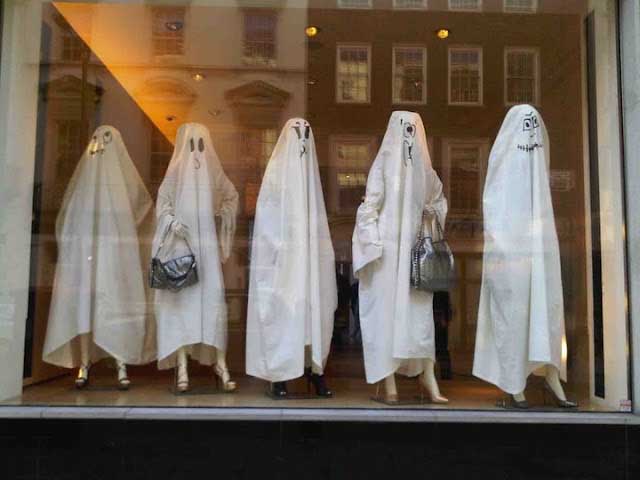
429, 210
179, 229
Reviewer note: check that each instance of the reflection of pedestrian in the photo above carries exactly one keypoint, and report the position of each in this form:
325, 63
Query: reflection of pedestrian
442, 316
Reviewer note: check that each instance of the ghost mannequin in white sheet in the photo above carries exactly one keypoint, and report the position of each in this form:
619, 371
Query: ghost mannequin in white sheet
98, 305
292, 289
193, 321
521, 313
398, 331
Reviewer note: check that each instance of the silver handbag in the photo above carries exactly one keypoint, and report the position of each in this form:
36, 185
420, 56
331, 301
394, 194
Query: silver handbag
432, 263
173, 274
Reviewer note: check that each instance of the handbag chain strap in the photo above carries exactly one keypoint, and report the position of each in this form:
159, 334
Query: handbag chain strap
421, 234
164, 238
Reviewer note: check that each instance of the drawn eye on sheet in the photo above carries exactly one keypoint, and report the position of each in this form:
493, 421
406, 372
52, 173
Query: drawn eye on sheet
409, 133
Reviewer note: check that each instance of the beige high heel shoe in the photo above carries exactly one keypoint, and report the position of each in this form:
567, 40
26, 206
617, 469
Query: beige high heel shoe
390, 398
123, 380
222, 373
83, 376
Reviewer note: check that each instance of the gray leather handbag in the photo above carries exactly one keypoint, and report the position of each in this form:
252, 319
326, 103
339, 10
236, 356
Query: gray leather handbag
432, 263
173, 274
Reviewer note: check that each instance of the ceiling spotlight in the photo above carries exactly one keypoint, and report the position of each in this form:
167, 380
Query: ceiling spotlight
198, 77
311, 81
174, 26
170, 118
311, 31
443, 33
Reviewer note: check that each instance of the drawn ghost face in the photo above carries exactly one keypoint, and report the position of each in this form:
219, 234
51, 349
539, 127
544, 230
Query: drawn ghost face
530, 124
303, 131
408, 138
100, 141
196, 149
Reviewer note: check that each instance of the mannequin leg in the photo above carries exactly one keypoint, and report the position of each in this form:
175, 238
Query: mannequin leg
85, 349
85, 361
429, 383
553, 384
553, 380
222, 371
315, 375
390, 388
123, 379
182, 380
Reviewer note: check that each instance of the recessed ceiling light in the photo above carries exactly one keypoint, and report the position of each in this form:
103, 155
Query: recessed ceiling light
311, 31
198, 77
170, 118
443, 33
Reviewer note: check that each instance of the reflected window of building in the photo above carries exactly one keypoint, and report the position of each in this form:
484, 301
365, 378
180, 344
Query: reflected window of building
465, 76
410, 4
464, 166
465, 5
161, 150
260, 37
353, 79
521, 75
72, 45
354, 3
168, 30
351, 159
409, 74
68, 146
520, 6
257, 146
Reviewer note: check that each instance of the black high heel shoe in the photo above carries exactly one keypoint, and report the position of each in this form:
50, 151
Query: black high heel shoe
318, 383
279, 389
558, 401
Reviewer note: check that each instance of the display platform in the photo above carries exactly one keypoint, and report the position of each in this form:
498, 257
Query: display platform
463, 392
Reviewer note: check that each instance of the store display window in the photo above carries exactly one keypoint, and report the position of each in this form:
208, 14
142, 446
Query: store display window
376, 204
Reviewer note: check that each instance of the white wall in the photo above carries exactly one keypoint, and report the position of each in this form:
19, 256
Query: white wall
18, 99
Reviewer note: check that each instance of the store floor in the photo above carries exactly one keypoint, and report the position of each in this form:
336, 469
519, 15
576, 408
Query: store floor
155, 391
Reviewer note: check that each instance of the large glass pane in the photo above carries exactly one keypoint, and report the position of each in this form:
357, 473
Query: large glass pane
278, 160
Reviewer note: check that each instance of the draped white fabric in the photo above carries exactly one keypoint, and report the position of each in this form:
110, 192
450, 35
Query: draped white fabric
292, 289
396, 320
521, 314
194, 191
99, 284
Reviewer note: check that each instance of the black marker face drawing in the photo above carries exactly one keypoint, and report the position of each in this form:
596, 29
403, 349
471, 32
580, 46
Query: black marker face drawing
408, 134
192, 148
303, 130
98, 142
530, 125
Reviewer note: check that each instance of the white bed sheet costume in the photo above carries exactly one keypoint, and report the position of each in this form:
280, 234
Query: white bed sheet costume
521, 313
397, 324
99, 285
292, 287
194, 191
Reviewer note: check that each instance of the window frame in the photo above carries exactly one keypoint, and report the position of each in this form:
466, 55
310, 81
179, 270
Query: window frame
258, 60
457, 9
484, 147
343, 4
424, 6
340, 46
406, 46
534, 8
181, 37
536, 71
479, 49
